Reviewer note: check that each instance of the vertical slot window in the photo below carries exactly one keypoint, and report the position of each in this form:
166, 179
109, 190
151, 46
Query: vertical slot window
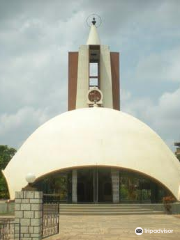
93, 69
93, 82
94, 60
93, 78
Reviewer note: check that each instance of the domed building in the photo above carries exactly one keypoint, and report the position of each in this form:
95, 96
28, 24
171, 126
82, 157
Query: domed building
95, 153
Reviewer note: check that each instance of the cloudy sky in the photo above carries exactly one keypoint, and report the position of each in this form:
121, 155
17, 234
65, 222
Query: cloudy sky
36, 35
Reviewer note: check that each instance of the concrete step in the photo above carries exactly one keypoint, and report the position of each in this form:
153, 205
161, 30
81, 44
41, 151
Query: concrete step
90, 208
112, 213
107, 209
97, 206
103, 205
103, 209
100, 207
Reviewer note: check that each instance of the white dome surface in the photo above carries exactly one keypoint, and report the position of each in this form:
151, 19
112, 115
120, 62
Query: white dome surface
94, 137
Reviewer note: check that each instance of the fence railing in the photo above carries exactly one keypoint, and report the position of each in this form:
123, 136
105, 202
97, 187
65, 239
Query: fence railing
9, 230
54, 198
51, 198
50, 219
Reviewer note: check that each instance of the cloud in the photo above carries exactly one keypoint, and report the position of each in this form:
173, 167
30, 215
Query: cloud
125, 95
35, 37
166, 114
16, 127
162, 116
161, 66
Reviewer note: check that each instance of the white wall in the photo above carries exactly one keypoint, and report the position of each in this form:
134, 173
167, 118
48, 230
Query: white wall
83, 77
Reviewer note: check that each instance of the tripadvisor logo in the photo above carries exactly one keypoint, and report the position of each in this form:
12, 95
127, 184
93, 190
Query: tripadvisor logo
139, 231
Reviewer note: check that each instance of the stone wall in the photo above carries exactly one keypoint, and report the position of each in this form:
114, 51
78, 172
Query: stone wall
28, 212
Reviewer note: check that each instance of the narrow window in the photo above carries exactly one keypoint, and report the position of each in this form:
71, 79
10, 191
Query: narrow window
93, 78
94, 55
93, 70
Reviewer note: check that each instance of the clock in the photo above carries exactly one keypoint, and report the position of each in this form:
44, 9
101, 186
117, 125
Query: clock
94, 96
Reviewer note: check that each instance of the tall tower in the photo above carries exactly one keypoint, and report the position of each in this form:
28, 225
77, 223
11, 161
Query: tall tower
93, 75
177, 153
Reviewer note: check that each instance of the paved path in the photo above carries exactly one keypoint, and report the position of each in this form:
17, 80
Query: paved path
117, 227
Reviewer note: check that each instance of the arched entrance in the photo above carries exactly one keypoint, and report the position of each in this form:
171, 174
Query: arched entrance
101, 185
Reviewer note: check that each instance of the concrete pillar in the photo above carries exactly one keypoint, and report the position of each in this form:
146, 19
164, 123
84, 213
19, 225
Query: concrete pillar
115, 185
28, 212
74, 186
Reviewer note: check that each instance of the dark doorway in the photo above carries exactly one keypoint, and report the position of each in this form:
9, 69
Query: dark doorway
94, 185
104, 185
85, 185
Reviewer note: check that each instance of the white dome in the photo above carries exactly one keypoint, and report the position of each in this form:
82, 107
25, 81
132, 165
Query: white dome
94, 137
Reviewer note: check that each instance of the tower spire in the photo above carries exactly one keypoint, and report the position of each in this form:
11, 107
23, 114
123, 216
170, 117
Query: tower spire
93, 38
94, 21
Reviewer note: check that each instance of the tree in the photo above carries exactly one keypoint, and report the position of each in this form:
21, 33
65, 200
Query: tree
6, 153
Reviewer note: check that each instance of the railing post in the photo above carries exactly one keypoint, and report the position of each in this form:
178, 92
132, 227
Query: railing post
28, 213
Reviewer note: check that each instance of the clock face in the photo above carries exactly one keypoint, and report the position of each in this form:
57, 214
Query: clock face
94, 96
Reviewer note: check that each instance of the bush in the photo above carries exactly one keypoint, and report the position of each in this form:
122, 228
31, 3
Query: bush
167, 203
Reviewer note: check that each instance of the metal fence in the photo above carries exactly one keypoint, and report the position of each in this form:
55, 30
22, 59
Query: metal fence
9, 230
51, 198
50, 217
